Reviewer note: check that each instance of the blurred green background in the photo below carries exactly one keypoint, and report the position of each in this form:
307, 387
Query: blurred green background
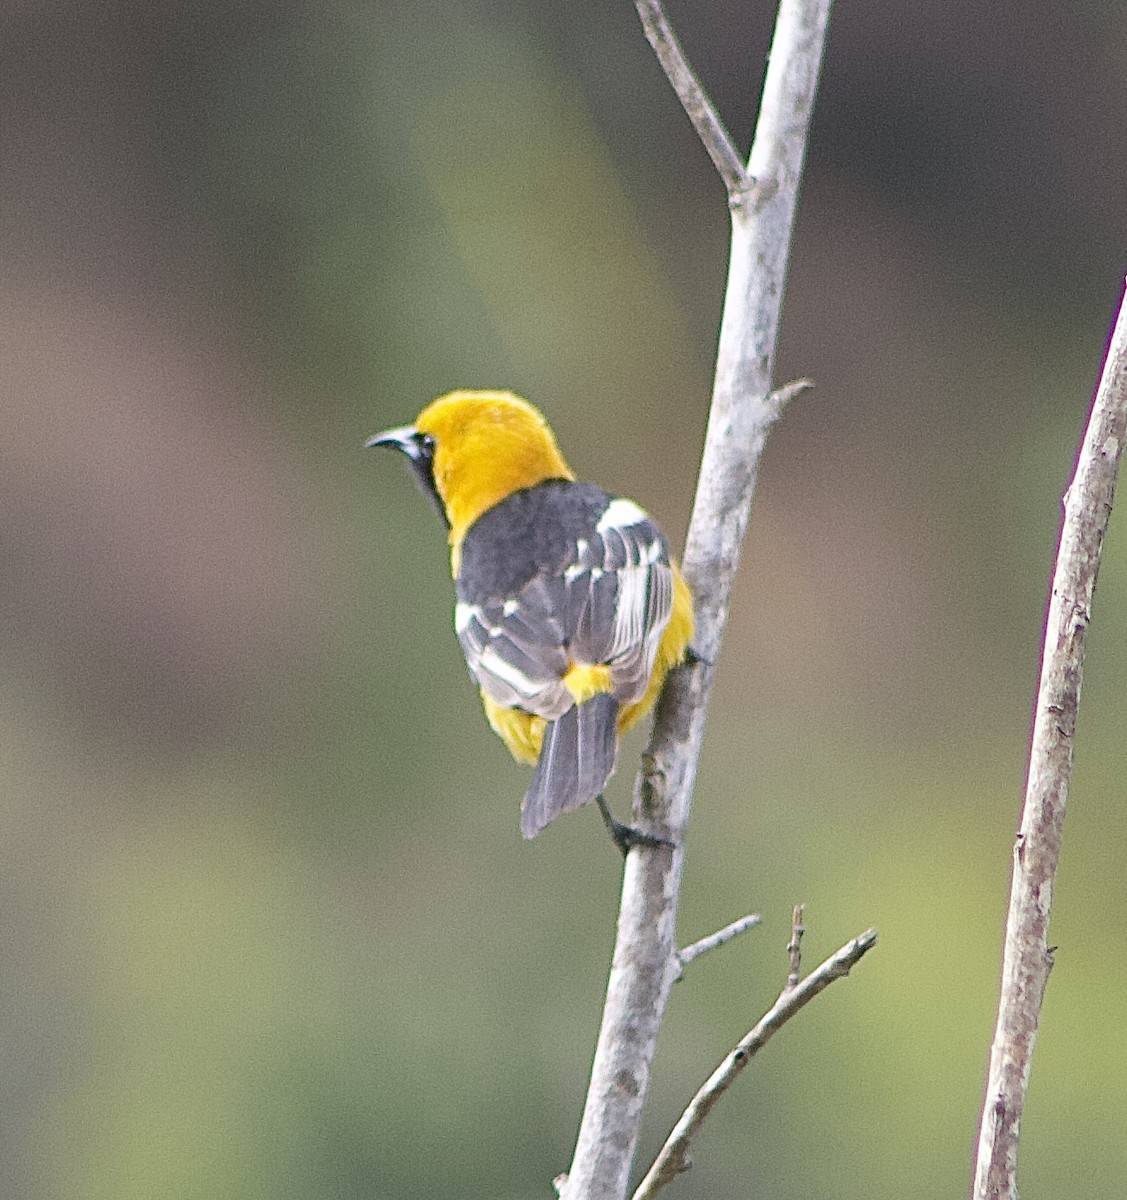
267, 926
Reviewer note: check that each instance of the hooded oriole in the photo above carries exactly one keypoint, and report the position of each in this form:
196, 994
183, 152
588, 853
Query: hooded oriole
569, 610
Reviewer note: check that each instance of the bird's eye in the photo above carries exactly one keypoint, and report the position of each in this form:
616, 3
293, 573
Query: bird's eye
426, 443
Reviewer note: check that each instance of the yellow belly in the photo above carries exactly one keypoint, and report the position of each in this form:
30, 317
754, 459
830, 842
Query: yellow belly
521, 731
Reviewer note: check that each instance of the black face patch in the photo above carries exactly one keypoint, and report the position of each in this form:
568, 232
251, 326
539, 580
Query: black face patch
418, 448
422, 464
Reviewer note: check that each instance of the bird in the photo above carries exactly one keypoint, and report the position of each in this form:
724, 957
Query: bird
569, 607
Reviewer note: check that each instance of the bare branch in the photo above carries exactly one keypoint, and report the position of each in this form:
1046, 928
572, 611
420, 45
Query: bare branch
715, 940
1027, 959
673, 1158
706, 121
794, 946
644, 963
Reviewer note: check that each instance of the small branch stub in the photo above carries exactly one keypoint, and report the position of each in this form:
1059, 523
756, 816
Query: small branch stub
782, 396
715, 940
794, 946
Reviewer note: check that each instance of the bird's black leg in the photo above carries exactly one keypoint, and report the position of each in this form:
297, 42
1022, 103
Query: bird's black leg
626, 837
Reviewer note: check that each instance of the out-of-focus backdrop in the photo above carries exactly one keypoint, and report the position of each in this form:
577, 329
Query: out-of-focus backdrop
267, 926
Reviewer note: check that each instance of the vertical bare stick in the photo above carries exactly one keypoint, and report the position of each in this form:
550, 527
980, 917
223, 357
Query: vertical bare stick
743, 410
1028, 958
794, 946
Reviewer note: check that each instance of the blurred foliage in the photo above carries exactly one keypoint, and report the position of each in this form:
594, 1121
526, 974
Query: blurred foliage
269, 928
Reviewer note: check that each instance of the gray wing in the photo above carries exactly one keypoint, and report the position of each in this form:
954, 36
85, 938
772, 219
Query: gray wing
516, 648
610, 605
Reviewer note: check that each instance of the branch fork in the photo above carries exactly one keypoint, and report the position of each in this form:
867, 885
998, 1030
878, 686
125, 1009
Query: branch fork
674, 1158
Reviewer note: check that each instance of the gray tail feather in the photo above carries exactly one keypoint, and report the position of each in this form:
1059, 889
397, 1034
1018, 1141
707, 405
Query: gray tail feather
577, 758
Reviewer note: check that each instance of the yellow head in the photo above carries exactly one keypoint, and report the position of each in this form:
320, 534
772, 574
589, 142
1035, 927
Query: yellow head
476, 448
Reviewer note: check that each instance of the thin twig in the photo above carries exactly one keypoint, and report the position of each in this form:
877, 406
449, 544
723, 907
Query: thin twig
706, 121
715, 940
673, 1158
644, 964
1027, 958
794, 946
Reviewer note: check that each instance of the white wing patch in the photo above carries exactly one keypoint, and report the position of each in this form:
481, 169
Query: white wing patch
492, 663
620, 514
630, 613
464, 615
